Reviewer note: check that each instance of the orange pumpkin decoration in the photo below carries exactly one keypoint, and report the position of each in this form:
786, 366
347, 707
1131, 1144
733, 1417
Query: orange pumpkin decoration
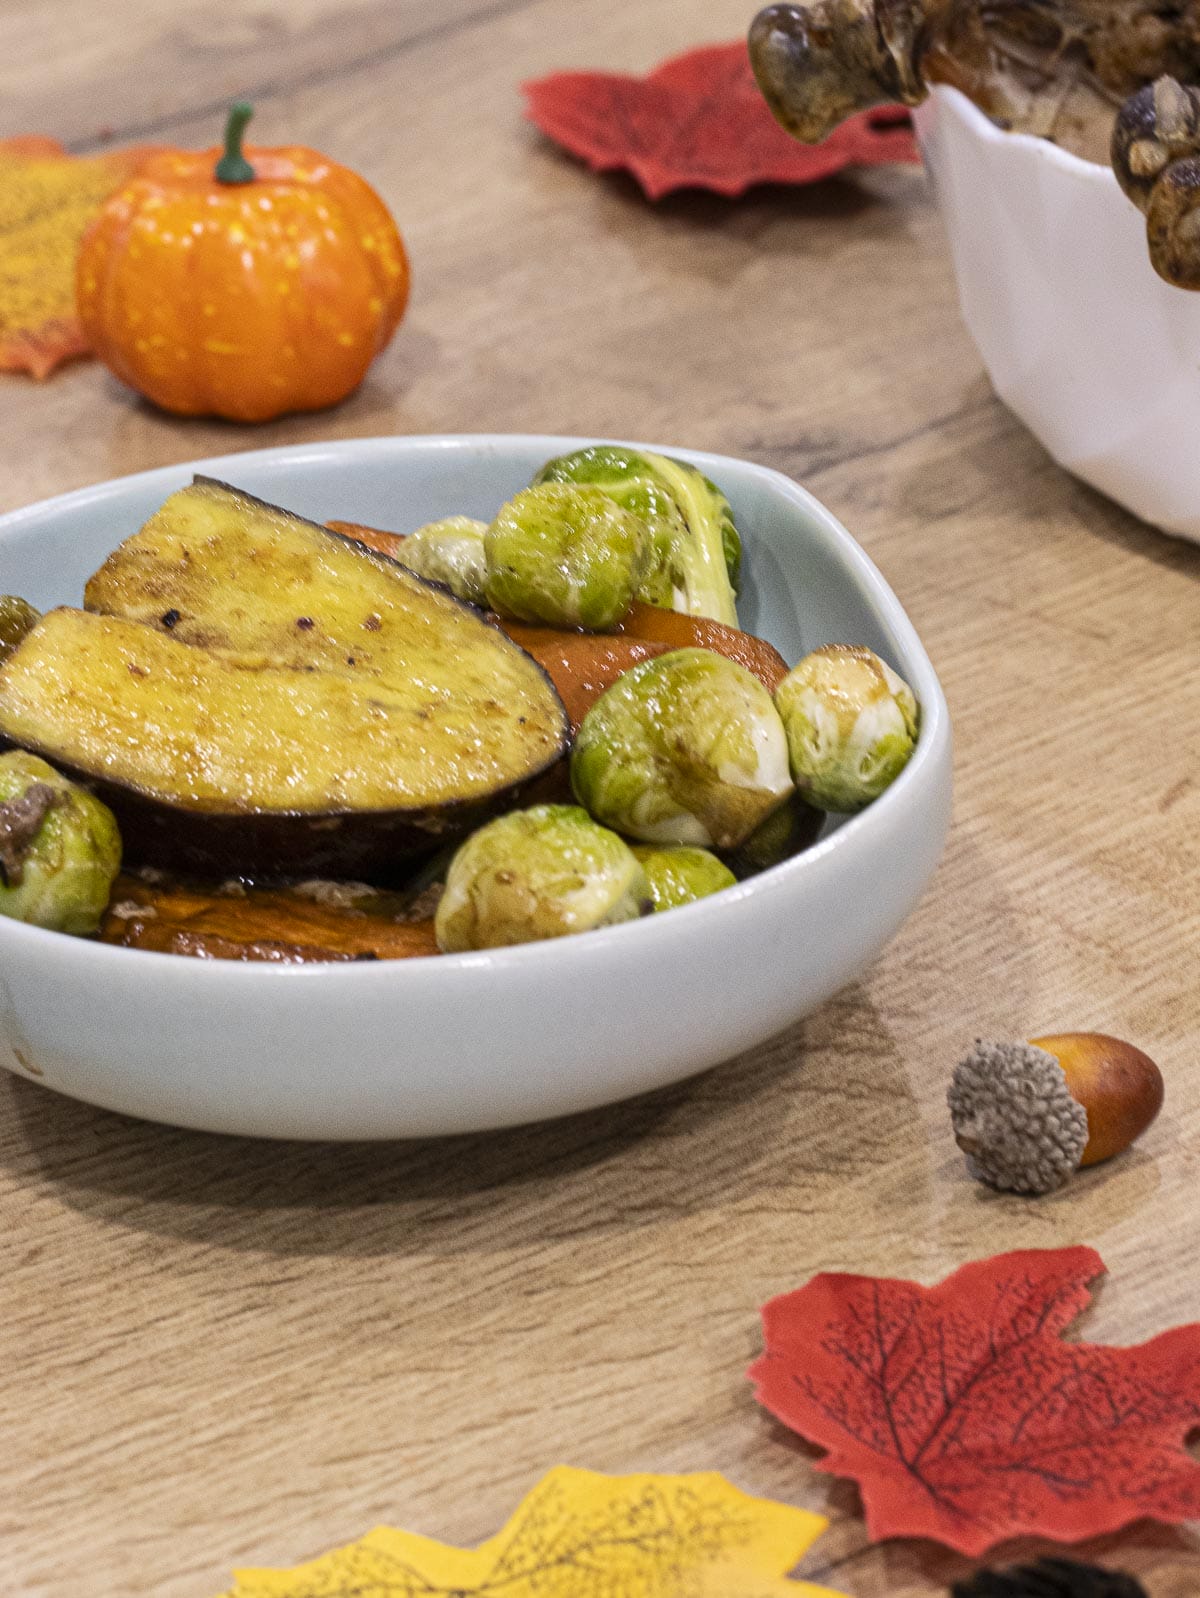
261, 282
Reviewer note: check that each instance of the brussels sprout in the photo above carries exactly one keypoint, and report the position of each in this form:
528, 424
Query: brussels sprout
539, 873
449, 552
60, 850
16, 619
681, 874
685, 748
566, 557
785, 832
851, 725
695, 550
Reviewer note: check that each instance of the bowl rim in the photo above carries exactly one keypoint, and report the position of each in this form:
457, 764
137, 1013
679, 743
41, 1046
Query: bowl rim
931, 745
946, 97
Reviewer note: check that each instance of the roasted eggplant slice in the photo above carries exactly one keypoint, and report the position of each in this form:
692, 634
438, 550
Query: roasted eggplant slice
261, 697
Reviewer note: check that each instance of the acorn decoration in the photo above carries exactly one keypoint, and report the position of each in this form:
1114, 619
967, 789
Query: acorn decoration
1028, 1115
1050, 1578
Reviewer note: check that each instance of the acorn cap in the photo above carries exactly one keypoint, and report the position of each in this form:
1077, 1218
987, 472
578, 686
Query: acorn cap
1015, 1119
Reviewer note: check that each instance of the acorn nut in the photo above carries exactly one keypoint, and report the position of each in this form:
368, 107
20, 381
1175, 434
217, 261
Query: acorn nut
1120, 1088
1028, 1115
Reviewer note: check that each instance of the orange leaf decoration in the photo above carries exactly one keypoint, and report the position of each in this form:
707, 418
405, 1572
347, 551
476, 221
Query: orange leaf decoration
47, 199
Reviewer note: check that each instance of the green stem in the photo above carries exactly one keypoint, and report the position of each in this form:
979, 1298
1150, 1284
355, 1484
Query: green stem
233, 166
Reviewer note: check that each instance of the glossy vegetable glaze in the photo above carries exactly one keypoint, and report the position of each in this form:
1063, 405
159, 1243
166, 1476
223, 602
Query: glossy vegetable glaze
60, 848
17, 617
694, 562
262, 697
564, 556
582, 665
547, 872
684, 749
851, 724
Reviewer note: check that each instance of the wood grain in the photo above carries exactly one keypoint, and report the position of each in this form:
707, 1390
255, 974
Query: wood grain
219, 1352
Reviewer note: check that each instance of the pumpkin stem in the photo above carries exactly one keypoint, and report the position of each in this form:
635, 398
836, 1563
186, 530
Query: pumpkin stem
233, 166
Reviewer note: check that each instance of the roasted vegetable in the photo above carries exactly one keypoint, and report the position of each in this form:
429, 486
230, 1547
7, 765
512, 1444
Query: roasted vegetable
373, 537
264, 698
851, 726
16, 619
539, 873
449, 552
285, 926
786, 832
60, 849
581, 665
679, 874
564, 556
695, 551
678, 631
686, 748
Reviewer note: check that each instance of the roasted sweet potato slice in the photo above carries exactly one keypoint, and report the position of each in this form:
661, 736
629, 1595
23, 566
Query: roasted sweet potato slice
285, 927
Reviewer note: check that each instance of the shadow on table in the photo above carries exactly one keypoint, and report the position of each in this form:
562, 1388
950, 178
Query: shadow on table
137, 429
1166, 1557
837, 197
790, 1130
752, 1124
1030, 485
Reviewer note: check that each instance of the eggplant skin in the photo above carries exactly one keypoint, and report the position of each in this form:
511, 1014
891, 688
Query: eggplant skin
379, 846
256, 696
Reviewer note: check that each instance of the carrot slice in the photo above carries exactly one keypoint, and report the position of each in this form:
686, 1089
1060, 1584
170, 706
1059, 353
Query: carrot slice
677, 631
373, 537
271, 924
581, 665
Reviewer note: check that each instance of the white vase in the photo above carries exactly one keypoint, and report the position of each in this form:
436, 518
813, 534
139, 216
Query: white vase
1093, 351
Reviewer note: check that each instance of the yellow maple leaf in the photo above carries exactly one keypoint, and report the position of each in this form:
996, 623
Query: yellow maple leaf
580, 1535
47, 199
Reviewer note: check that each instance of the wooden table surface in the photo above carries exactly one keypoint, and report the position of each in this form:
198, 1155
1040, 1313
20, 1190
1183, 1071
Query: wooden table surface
219, 1352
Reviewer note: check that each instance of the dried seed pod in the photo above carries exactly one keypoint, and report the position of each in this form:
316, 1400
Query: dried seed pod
1156, 157
818, 64
1020, 61
1028, 1115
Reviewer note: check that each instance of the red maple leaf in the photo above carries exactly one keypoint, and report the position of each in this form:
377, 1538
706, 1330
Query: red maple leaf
699, 121
963, 1416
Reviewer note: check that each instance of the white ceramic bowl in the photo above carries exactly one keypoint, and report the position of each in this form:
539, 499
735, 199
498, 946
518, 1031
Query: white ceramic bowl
464, 1042
1081, 338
